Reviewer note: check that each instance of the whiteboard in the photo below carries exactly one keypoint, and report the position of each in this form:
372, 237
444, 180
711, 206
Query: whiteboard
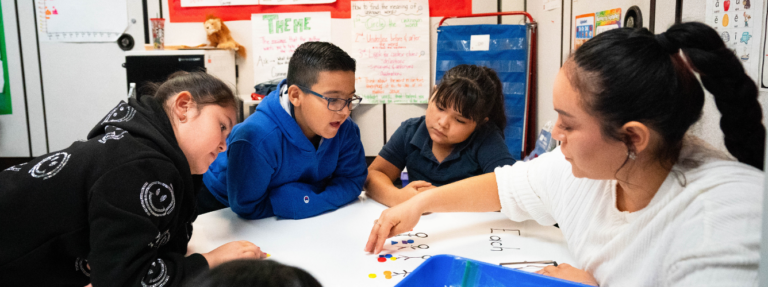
81, 20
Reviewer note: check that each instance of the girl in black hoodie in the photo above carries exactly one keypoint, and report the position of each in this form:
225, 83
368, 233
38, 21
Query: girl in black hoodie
117, 209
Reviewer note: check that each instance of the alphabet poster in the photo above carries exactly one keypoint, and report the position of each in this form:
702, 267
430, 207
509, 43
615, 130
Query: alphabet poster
737, 21
276, 36
390, 41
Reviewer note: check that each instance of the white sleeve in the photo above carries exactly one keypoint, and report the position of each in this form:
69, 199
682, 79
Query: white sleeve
526, 189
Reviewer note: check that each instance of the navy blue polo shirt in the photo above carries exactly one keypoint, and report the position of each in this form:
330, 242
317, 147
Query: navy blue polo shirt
410, 146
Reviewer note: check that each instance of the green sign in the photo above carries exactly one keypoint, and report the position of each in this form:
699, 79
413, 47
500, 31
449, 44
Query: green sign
5, 93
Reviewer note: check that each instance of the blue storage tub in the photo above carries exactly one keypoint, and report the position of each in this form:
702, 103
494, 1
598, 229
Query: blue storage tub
454, 271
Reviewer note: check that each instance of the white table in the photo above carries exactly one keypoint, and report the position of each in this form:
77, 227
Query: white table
330, 246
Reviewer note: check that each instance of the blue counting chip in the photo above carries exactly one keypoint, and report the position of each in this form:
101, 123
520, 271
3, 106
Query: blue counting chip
381, 255
388, 255
394, 242
410, 240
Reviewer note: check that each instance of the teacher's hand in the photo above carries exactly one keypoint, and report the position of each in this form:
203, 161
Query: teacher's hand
567, 272
398, 219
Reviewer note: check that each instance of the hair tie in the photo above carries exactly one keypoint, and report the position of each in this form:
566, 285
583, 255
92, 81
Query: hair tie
666, 44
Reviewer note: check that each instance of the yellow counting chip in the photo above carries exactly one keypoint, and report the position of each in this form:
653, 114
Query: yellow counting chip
371, 275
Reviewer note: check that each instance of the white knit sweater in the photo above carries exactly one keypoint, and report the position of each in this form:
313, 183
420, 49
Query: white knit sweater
703, 233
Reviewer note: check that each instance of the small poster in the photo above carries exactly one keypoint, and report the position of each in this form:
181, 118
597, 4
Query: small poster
390, 41
276, 36
737, 21
607, 20
585, 29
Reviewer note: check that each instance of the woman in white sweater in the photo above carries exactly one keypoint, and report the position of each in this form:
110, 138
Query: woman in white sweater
639, 202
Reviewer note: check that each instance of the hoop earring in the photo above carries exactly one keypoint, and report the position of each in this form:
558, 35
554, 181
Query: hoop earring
184, 121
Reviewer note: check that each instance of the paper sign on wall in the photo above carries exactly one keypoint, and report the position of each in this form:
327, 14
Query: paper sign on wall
607, 20
81, 20
276, 36
390, 41
294, 2
585, 29
203, 3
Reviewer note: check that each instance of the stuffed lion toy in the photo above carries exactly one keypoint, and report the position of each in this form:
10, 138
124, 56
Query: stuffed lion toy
220, 37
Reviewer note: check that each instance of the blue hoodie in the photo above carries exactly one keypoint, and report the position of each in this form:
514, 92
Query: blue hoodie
271, 168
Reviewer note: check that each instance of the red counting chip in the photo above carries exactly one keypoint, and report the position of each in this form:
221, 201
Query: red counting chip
382, 259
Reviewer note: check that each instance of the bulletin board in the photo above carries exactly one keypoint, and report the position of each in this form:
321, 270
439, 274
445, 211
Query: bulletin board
5, 93
341, 9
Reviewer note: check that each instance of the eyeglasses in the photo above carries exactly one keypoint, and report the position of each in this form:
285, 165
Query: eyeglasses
336, 104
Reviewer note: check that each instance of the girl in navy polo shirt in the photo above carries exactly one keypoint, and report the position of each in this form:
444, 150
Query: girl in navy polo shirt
459, 137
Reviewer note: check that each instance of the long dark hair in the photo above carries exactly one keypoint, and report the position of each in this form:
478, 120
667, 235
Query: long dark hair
204, 88
475, 92
628, 75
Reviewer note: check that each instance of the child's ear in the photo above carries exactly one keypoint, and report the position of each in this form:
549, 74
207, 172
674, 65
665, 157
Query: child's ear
485, 120
181, 104
294, 95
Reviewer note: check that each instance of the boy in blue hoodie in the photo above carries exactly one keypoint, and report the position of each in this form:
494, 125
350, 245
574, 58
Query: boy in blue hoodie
297, 156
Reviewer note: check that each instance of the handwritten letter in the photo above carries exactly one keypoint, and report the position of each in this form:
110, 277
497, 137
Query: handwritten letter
390, 41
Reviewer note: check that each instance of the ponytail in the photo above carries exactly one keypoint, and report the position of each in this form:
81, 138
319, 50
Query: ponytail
723, 75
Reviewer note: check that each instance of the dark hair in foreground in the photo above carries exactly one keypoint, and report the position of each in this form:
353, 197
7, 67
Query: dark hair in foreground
262, 273
204, 88
311, 58
628, 75
473, 91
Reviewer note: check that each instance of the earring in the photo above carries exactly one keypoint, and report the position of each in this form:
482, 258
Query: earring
184, 121
632, 155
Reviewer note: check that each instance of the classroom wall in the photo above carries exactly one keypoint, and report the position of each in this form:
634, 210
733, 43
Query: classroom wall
555, 47
30, 129
377, 122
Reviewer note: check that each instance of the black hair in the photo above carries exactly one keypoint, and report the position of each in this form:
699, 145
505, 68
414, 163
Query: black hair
475, 92
628, 75
252, 272
311, 58
204, 88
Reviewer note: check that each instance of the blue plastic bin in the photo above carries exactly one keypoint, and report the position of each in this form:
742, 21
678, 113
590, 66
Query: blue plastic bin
454, 271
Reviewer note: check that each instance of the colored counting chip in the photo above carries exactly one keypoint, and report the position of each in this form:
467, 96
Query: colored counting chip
388, 255
268, 255
394, 242
382, 259
393, 258
410, 240
388, 274
381, 255
405, 242
371, 275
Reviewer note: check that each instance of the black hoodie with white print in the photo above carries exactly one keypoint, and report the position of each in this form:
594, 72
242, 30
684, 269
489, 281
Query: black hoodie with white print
114, 210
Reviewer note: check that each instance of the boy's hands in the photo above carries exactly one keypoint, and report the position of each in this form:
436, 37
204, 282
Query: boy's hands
417, 186
234, 250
